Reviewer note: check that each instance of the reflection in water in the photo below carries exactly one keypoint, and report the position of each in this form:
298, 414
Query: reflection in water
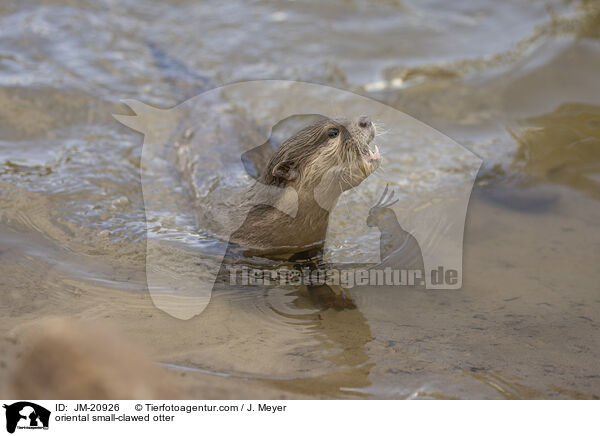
318, 338
344, 334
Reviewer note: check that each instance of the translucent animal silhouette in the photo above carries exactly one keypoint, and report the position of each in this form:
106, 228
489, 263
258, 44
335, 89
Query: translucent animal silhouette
397, 247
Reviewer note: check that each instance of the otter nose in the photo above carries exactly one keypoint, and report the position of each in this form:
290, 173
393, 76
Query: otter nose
364, 122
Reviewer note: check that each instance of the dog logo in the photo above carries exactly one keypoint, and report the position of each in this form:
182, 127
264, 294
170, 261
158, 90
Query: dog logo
26, 415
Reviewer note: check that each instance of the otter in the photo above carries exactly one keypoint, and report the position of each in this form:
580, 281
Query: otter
318, 163
287, 210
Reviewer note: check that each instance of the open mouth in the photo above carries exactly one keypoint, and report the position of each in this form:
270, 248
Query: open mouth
370, 154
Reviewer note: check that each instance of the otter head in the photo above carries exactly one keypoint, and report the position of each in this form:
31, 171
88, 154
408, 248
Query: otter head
337, 149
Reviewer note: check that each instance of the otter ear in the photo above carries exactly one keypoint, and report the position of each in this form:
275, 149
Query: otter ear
286, 171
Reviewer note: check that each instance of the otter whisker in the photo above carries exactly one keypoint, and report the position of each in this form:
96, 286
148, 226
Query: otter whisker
377, 173
380, 128
345, 203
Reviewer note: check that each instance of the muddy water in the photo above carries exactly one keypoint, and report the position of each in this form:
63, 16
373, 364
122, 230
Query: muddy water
515, 82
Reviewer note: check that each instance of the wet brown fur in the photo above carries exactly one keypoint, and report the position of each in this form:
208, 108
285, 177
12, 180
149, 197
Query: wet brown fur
300, 163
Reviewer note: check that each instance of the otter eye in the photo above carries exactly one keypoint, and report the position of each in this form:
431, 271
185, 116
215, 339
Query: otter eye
333, 132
